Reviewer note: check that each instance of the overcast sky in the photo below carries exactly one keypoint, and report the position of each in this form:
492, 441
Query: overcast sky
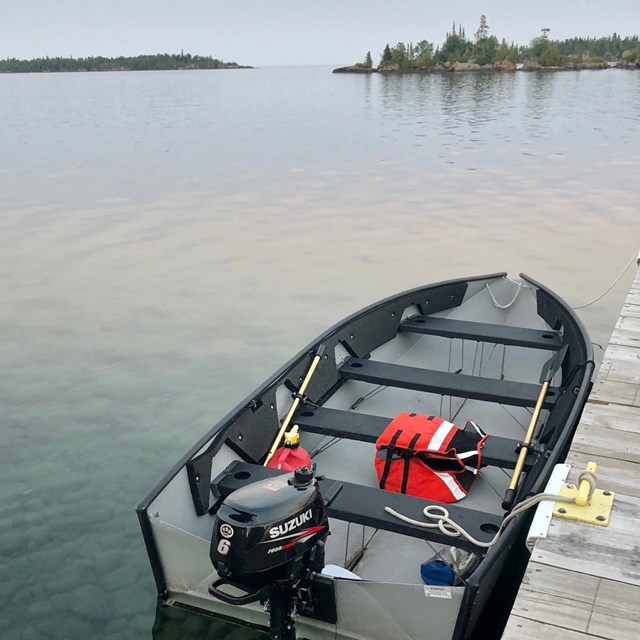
281, 32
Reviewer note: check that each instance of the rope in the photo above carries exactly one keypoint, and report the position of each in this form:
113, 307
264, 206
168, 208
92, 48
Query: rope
589, 477
635, 256
449, 527
520, 285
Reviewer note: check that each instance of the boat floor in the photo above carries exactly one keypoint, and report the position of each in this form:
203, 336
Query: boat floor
394, 558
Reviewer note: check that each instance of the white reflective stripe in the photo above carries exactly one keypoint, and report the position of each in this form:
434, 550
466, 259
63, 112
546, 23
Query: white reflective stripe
440, 436
474, 471
452, 485
468, 454
477, 428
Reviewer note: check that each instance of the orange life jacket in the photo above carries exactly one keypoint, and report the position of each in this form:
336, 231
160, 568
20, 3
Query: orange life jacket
428, 457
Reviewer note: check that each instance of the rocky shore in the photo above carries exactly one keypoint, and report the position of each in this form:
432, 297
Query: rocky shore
391, 67
505, 65
355, 69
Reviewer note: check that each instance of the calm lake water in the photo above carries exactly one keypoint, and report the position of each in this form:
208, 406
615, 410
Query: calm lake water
168, 239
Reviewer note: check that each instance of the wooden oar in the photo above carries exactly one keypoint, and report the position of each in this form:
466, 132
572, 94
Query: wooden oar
296, 401
548, 371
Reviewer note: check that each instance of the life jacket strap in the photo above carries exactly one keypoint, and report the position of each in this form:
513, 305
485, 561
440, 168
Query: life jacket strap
387, 462
407, 461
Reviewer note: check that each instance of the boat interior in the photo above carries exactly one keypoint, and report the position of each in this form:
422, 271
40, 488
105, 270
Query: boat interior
463, 351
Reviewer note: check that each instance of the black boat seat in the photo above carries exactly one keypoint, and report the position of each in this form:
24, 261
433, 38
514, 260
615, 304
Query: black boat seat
497, 451
519, 394
365, 505
482, 332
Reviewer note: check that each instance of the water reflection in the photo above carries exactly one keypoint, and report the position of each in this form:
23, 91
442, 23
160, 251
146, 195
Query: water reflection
172, 623
457, 113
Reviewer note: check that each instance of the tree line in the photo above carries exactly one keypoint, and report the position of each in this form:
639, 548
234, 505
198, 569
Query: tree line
156, 62
484, 49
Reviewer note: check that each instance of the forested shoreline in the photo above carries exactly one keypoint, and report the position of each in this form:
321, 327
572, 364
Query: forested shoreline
154, 62
485, 51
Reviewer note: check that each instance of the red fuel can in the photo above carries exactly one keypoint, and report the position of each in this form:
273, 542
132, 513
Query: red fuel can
290, 456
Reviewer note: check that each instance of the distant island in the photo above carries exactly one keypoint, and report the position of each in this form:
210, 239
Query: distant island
155, 62
485, 53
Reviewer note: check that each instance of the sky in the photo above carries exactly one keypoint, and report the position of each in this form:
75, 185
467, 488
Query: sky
287, 32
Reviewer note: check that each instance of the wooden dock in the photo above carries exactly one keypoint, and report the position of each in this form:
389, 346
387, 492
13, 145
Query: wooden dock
583, 581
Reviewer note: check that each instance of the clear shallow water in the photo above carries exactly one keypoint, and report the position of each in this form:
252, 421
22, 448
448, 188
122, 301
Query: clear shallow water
168, 239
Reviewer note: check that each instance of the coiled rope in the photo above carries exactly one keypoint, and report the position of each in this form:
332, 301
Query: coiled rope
449, 527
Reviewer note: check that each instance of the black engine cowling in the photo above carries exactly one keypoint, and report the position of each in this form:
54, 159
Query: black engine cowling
269, 530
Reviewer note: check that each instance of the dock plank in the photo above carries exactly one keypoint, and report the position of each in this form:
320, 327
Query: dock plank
622, 364
616, 612
611, 417
626, 332
561, 583
617, 475
609, 391
553, 609
558, 596
595, 439
519, 628
594, 550
631, 310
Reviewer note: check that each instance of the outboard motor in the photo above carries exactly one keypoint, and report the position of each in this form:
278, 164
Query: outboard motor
268, 540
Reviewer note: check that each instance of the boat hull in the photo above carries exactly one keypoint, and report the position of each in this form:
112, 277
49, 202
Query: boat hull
390, 601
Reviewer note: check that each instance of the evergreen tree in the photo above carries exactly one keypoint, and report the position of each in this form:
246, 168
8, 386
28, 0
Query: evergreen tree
507, 52
483, 29
386, 54
368, 62
399, 54
454, 49
551, 55
424, 53
485, 50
